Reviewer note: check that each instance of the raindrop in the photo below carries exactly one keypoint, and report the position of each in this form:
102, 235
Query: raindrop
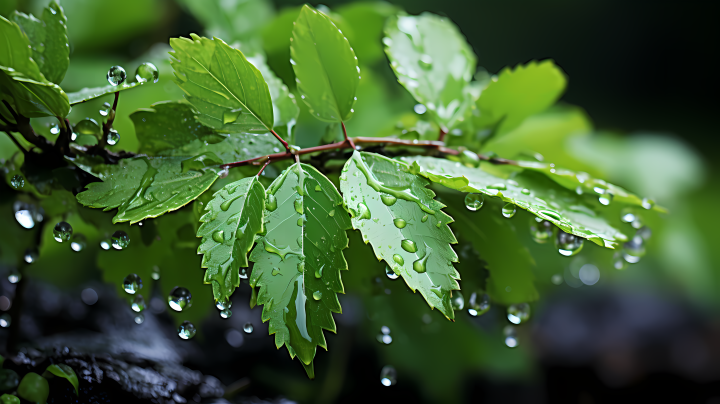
399, 223
409, 246
116, 75
589, 274
155, 275
317, 295
17, 181
14, 276
384, 336
78, 243
31, 255
648, 203
556, 279
139, 318
627, 215
399, 259
388, 376
390, 273
105, 244
388, 200
112, 138
186, 330
541, 230
225, 313
243, 273
478, 304
26, 214
619, 262
87, 126
420, 109
223, 304
120, 240
605, 197
510, 336
474, 202
5, 320
62, 232
271, 203
180, 298
54, 129
634, 250
568, 244
248, 328
138, 304
132, 283
509, 210
457, 300
518, 313
147, 72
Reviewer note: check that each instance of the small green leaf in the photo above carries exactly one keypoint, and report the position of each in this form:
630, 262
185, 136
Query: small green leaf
518, 93
299, 259
234, 217
406, 227
48, 40
87, 94
34, 388
66, 372
228, 91
530, 191
285, 109
434, 62
325, 66
9, 399
145, 187
8, 380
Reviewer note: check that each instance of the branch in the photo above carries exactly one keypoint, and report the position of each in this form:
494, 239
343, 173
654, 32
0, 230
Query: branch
284, 143
441, 137
7, 131
347, 139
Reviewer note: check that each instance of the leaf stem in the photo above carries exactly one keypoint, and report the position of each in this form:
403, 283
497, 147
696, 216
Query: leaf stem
441, 137
347, 139
7, 131
284, 143
263, 167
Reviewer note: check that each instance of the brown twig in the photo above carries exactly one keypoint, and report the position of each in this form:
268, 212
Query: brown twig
263, 167
347, 139
441, 137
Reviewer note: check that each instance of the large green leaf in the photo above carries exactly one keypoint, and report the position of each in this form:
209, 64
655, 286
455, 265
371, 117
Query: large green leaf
397, 214
434, 62
285, 110
48, 40
234, 217
299, 259
367, 20
87, 94
228, 91
34, 388
146, 187
518, 93
533, 192
325, 66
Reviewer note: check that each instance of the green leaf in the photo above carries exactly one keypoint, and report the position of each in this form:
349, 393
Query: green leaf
518, 93
434, 62
34, 388
146, 187
234, 217
49, 41
228, 91
325, 66
285, 109
9, 399
397, 214
299, 259
87, 94
367, 21
533, 192
66, 372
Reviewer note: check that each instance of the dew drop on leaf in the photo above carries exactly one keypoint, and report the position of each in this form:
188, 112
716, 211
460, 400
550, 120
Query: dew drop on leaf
132, 284
105, 244
568, 244
243, 273
388, 376
409, 246
509, 210
147, 72
317, 295
518, 313
388, 200
648, 203
55, 129
390, 273
223, 304
139, 318
634, 249
120, 240
363, 211
399, 259
541, 230
218, 236
186, 330
179, 298
425, 62
87, 126
424, 219
62, 232
474, 202
619, 262
155, 273
478, 304
112, 138
116, 75
271, 203
17, 181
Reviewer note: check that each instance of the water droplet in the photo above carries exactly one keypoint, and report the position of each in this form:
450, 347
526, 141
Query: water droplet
420, 265
634, 249
510, 336
518, 313
474, 202
384, 336
424, 219
87, 126
116, 75
54, 129
248, 328
78, 243
17, 181
425, 62
409, 246
556, 279
388, 200
186, 330
271, 203
243, 273
298, 205
331, 213
509, 210
180, 298
105, 244
399, 223
112, 138
420, 109
619, 262
541, 230
457, 300
14, 276
138, 304
218, 236
627, 215
399, 259
568, 244
120, 240
62, 232
26, 214
648, 203
275, 271
223, 304
132, 283
390, 273
5, 320
155, 275
317, 188
605, 197
363, 211
139, 318
147, 72
31, 255
317, 295
478, 304
388, 376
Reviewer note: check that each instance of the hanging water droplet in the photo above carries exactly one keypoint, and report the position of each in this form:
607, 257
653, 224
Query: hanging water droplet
627, 215
420, 109
556, 279
425, 61
120, 240
138, 304
14, 276
87, 126
648, 203
634, 250
112, 138
17, 181
424, 219
248, 328
26, 214
62, 232
541, 230
518, 313
147, 72
457, 300
388, 200
218, 236
568, 244
179, 298
478, 304
225, 313
317, 295
419, 266
139, 318
31, 255
243, 273
605, 196
399, 259
116, 75
399, 223
186, 330
509, 210
132, 283
409, 246
390, 273
363, 211
105, 244
388, 376
78, 243
5, 320
223, 304
619, 262
384, 336
155, 275
474, 202
510, 336
54, 129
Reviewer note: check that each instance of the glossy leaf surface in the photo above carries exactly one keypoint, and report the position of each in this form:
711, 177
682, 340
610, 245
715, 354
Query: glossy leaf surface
48, 40
34, 388
325, 66
87, 94
406, 227
66, 372
285, 109
232, 220
299, 259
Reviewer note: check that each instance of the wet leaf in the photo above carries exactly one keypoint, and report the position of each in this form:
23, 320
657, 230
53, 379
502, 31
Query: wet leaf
326, 69
285, 109
48, 40
66, 372
406, 227
299, 259
9, 399
34, 388
367, 20
434, 62
232, 220
87, 94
